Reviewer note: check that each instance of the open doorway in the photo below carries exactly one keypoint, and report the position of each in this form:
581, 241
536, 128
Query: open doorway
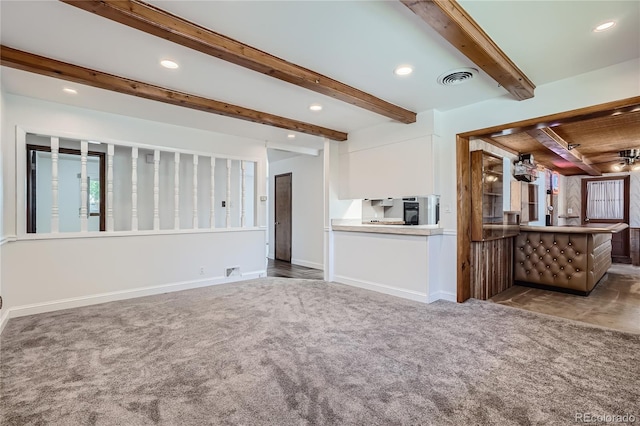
296, 211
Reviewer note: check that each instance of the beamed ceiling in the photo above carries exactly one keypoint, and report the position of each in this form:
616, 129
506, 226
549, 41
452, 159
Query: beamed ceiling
590, 145
252, 68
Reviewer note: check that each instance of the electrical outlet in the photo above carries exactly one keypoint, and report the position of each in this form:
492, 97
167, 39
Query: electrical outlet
569, 210
202, 270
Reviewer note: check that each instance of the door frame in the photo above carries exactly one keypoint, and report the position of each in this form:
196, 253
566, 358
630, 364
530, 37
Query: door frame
275, 204
626, 214
463, 173
31, 185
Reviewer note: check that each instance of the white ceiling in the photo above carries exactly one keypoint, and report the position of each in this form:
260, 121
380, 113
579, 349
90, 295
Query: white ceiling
356, 42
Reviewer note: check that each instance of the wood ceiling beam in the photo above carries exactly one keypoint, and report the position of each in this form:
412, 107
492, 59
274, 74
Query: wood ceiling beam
453, 23
555, 143
152, 20
495, 143
50, 67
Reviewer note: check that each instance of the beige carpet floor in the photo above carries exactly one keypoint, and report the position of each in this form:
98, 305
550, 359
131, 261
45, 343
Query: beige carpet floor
304, 352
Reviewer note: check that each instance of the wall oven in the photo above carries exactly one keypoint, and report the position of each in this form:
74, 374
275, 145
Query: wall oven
411, 213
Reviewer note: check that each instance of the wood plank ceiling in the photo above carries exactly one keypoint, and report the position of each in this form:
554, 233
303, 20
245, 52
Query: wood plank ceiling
592, 147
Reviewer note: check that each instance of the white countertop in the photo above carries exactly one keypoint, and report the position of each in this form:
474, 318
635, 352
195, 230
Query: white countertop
356, 225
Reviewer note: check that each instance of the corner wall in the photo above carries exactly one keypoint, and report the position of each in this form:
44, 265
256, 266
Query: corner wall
307, 208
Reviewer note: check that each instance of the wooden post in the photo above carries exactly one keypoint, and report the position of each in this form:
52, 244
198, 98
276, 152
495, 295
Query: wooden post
156, 190
110, 153
195, 191
55, 219
228, 203
134, 188
84, 213
212, 214
176, 191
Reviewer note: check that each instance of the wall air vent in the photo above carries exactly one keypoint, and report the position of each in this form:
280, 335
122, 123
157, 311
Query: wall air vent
457, 76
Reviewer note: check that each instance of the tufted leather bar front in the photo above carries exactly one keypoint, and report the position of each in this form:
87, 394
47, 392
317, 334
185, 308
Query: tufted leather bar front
571, 261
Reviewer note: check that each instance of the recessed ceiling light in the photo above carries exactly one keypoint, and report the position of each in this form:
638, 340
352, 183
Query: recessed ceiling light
315, 107
169, 64
403, 70
605, 26
70, 91
291, 136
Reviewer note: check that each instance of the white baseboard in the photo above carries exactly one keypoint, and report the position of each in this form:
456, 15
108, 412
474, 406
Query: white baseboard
442, 295
307, 264
382, 288
76, 302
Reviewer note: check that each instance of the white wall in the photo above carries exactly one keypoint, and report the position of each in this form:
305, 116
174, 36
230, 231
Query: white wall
84, 270
43, 275
307, 208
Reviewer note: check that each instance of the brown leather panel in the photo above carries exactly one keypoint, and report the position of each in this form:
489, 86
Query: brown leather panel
573, 261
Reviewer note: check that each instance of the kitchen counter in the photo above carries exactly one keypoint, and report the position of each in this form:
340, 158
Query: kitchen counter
586, 229
354, 225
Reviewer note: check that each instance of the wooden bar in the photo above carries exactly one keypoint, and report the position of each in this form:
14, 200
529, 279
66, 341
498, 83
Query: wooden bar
134, 188
243, 195
55, 213
195, 191
110, 153
84, 186
228, 203
176, 191
156, 189
212, 213
492, 267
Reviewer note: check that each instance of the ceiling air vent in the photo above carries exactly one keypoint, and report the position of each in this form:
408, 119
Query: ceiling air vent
458, 76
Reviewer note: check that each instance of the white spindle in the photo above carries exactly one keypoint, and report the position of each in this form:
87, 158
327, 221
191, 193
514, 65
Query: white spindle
55, 219
228, 203
212, 214
84, 214
110, 152
156, 189
134, 188
195, 191
243, 194
176, 191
